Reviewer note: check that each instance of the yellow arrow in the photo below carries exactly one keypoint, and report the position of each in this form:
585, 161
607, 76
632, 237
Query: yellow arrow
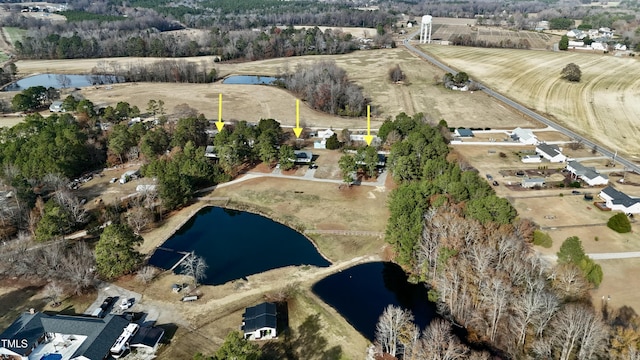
368, 138
220, 124
297, 130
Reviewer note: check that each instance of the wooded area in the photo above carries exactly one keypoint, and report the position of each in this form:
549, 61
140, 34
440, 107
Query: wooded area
451, 232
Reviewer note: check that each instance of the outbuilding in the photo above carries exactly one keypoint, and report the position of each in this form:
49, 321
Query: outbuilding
260, 322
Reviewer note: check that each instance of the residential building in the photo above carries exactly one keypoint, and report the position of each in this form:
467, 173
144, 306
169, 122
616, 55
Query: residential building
303, 157
551, 152
587, 174
524, 136
56, 106
532, 182
323, 135
35, 335
210, 152
617, 200
260, 322
531, 159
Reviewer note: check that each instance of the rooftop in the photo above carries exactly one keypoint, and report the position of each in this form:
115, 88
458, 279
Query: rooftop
620, 198
259, 316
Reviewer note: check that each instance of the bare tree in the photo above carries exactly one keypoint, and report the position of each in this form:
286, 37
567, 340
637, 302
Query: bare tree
438, 343
409, 337
569, 281
79, 266
139, 217
577, 328
194, 267
390, 325
146, 274
72, 204
53, 291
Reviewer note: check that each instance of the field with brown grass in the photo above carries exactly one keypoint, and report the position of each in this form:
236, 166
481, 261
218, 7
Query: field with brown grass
604, 106
249, 102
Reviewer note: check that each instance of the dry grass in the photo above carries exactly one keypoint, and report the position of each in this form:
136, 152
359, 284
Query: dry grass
249, 102
604, 106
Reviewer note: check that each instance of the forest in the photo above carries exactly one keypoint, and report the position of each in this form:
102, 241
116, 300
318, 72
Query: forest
450, 231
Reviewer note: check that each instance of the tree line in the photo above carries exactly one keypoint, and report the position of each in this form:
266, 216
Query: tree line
451, 232
325, 87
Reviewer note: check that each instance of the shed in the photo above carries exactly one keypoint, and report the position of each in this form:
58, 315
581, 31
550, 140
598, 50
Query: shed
147, 338
463, 132
260, 322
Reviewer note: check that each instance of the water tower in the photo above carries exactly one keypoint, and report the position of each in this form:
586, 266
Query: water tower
425, 30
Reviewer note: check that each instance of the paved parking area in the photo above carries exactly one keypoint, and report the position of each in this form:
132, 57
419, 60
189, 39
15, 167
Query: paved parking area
109, 290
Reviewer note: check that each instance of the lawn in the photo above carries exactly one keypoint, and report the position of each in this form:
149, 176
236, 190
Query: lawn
604, 106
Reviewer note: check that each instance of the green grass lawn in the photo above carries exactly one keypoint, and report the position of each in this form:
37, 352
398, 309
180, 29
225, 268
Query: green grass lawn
14, 34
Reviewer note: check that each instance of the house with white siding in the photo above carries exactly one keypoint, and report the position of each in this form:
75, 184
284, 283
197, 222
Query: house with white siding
525, 136
617, 200
587, 174
551, 152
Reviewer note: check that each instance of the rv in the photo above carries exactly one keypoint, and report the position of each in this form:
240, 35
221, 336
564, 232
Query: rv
121, 345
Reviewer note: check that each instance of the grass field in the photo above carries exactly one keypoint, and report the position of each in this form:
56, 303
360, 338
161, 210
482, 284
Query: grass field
249, 102
14, 34
604, 106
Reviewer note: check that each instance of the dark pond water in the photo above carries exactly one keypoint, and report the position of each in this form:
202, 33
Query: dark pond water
361, 293
249, 80
60, 81
236, 244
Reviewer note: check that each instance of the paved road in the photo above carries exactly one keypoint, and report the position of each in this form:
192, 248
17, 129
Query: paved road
608, 256
587, 143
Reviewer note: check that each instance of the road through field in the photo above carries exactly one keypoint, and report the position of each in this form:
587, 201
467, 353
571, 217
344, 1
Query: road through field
517, 106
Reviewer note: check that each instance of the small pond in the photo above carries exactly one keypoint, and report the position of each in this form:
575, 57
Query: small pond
60, 81
249, 80
361, 293
236, 244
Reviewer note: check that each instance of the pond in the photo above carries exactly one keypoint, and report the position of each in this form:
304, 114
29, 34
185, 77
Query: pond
361, 293
60, 81
236, 244
249, 80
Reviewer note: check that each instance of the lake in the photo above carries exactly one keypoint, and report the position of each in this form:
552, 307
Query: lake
60, 81
249, 80
236, 244
361, 293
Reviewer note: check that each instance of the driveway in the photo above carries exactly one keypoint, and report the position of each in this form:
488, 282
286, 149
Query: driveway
109, 290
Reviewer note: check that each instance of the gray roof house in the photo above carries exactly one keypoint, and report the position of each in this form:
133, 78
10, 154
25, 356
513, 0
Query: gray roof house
551, 152
532, 182
260, 322
147, 338
303, 156
524, 136
35, 335
617, 200
587, 174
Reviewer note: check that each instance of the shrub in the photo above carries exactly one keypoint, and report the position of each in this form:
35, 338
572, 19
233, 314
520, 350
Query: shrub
542, 239
619, 223
333, 143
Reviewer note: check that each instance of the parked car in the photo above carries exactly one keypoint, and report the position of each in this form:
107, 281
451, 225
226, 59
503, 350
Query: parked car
113, 180
575, 192
126, 303
106, 304
489, 177
495, 183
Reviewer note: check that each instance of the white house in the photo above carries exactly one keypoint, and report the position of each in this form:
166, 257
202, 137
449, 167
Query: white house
524, 136
35, 335
304, 157
617, 200
531, 159
551, 152
587, 174
260, 322
532, 182
620, 47
598, 46
323, 135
